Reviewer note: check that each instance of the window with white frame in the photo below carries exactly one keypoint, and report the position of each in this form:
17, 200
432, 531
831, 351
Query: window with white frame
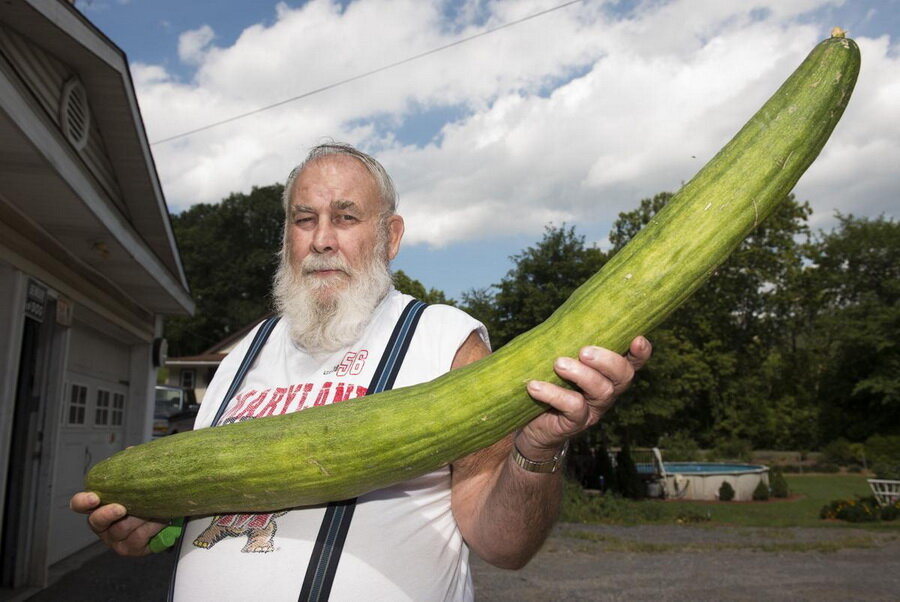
77, 405
118, 409
188, 378
101, 411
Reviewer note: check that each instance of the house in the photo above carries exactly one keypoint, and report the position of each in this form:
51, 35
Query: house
88, 269
196, 371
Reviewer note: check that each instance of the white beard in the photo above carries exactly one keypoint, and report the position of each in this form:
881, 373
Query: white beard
325, 323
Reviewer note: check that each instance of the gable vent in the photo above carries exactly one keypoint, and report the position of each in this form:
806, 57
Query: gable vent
74, 115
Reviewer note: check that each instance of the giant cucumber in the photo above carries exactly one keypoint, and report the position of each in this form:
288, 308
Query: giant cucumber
343, 450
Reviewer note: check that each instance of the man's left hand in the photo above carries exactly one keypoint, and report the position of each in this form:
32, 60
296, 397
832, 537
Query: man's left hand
599, 376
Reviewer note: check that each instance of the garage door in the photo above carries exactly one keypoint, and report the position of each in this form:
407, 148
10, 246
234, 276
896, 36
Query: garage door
93, 413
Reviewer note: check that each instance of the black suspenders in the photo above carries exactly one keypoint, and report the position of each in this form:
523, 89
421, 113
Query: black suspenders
336, 523
333, 532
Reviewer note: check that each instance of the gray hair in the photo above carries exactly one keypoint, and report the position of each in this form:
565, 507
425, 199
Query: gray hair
376, 170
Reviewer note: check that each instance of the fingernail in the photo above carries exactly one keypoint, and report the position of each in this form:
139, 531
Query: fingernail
93, 499
534, 386
565, 363
589, 353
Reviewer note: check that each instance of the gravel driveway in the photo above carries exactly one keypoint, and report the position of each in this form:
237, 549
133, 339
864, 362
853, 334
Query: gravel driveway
591, 562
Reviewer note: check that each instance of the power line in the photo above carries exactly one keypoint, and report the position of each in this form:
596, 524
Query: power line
366, 74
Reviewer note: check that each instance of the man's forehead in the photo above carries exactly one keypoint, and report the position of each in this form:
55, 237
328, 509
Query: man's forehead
338, 174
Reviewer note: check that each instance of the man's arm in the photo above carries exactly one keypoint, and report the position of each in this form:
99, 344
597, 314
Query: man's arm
505, 512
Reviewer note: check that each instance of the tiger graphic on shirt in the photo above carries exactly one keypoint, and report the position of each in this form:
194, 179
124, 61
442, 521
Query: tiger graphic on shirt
260, 528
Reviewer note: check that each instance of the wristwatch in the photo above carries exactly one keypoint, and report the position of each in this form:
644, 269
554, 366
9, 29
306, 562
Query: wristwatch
547, 466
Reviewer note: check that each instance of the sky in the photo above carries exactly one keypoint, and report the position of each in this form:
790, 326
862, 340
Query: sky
498, 118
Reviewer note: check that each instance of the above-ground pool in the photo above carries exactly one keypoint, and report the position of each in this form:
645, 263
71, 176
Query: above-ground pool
701, 480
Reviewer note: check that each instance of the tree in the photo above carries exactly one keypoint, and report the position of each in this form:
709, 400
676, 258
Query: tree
543, 278
857, 272
230, 253
717, 358
410, 286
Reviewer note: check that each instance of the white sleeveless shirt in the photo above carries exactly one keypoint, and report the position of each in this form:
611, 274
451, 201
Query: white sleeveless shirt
403, 541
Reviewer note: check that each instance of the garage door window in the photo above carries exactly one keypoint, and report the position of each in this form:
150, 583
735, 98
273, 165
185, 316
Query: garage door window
77, 404
118, 409
101, 412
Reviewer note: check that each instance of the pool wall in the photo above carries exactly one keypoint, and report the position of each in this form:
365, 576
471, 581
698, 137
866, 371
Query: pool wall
705, 484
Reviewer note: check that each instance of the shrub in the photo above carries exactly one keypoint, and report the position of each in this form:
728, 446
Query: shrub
761, 493
778, 484
629, 480
860, 510
733, 449
886, 470
839, 452
824, 467
891, 511
607, 470
679, 447
726, 492
883, 449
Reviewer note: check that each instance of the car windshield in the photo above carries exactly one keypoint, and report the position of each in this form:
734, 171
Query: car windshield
168, 402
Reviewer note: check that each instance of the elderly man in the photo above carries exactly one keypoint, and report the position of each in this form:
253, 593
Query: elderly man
410, 540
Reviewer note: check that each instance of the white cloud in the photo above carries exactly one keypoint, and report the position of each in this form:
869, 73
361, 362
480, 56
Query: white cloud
193, 45
652, 103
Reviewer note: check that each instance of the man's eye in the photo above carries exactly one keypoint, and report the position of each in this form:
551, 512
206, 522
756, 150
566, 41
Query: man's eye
303, 220
347, 218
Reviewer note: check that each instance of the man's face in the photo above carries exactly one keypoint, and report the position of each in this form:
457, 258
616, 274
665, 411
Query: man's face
335, 213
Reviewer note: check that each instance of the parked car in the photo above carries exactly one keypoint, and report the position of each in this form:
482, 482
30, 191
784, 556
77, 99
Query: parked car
176, 409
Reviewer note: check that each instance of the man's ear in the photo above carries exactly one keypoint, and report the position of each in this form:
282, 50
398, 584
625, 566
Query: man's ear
395, 234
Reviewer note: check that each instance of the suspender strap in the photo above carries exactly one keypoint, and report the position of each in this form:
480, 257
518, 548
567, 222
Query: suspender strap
336, 523
262, 334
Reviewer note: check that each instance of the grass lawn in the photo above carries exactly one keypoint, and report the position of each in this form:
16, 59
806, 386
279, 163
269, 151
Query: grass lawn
809, 494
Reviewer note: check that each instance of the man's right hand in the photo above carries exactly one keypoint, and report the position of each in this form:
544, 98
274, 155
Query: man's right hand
126, 535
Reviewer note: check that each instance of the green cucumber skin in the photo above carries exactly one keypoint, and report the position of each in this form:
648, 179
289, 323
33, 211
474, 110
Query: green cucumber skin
344, 450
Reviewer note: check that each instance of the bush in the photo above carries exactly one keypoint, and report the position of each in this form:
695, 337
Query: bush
883, 449
885, 470
726, 492
839, 452
737, 450
761, 493
860, 510
778, 484
890, 512
827, 467
629, 480
679, 447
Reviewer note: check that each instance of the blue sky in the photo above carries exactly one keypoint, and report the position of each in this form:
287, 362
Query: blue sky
570, 117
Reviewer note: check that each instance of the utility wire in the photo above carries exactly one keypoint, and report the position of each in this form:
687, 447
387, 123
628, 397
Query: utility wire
366, 74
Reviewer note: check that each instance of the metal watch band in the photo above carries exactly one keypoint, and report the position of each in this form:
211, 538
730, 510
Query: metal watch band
547, 466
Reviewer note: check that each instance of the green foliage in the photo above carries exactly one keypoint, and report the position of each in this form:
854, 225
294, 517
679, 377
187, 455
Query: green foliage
859, 510
543, 278
726, 492
839, 451
778, 484
855, 333
410, 286
679, 447
628, 479
885, 470
883, 449
229, 252
609, 480
724, 363
761, 492
734, 450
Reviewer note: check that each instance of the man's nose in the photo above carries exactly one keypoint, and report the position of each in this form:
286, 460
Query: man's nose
324, 238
